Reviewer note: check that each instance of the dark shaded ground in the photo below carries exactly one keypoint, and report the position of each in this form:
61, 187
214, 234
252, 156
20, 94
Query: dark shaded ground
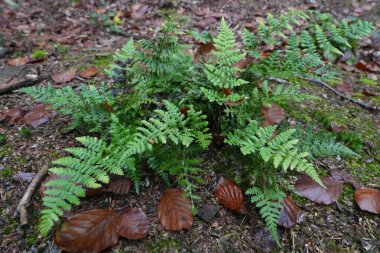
73, 39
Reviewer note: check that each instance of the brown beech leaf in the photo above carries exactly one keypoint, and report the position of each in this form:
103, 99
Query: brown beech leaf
345, 87
289, 214
90, 231
91, 71
362, 65
232, 103
14, 115
368, 199
19, 61
311, 190
133, 224
98, 229
230, 196
336, 127
139, 11
274, 114
119, 185
174, 210
64, 77
39, 115
203, 51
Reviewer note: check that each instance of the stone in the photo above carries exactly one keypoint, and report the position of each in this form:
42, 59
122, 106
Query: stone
208, 212
12, 78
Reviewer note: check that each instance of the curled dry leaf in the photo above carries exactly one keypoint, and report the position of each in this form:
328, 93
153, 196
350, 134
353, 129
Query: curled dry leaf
368, 199
39, 115
273, 114
64, 77
91, 71
203, 51
311, 190
230, 196
174, 210
289, 214
96, 230
133, 224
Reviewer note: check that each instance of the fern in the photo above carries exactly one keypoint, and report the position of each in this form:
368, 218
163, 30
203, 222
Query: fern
268, 202
281, 150
321, 144
88, 107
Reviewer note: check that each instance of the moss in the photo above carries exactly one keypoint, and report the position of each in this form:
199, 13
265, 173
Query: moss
162, 246
26, 132
367, 81
300, 199
4, 150
6, 173
10, 227
103, 61
39, 54
3, 139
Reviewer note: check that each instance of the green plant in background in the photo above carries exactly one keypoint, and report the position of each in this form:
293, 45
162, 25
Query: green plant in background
39, 54
3, 139
164, 109
26, 132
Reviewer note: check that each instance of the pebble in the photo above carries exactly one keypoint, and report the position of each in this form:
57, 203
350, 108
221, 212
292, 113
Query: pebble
376, 55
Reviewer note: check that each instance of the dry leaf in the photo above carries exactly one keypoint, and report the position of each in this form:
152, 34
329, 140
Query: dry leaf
90, 231
273, 115
38, 115
18, 61
119, 185
91, 71
64, 77
24, 176
368, 199
174, 211
345, 87
133, 224
230, 196
98, 229
139, 11
203, 51
14, 115
335, 127
311, 190
289, 214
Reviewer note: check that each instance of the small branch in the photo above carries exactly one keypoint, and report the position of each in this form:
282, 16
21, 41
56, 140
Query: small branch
362, 104
24, 202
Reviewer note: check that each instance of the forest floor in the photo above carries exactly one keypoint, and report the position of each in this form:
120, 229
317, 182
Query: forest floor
78, 34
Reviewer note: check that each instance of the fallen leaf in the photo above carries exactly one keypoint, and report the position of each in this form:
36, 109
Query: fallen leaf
311, 190
39, 115
14, 115
24, 176
139, 11
133, 224
335, 127
345, 87
369, 93
18, 61
368, 199
119, 185
203, 51
98, 229
289, 213
232, 103
174, 210
91, 71
273, 115
230, 196
362, 65
64, 77
90, 231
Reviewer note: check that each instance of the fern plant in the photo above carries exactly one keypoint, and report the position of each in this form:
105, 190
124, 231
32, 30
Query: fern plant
164, 109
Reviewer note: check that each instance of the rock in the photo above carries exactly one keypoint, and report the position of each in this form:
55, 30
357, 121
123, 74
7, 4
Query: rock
208, 212
12, 78
376, 55
3, 51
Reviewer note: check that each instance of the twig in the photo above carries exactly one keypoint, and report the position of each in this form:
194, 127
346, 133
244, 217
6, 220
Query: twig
22, 206
364, 105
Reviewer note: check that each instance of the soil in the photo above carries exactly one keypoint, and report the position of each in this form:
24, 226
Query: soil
78, 34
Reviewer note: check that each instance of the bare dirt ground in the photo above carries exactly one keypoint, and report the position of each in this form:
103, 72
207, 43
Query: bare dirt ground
77, 34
